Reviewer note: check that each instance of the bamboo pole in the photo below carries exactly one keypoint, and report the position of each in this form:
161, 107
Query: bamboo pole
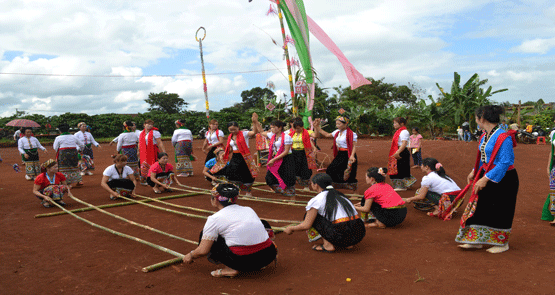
158, 247
165, 209
113, 205
133, 222
212, 212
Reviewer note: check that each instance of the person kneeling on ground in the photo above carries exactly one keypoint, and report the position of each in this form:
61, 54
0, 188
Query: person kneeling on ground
382, 201
234, 236
118, 179
330, 216
437, 190
51, 185
214, 167
160, 174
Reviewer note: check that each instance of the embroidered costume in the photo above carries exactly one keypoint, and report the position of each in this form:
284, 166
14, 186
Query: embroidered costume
67, 146
302, 153
213, 137
281, 175
119, 181
241, 169
182, 140
441, 192
30, 146
52, 187
163, 174
488, 217
87, 163
127, 145
148, 150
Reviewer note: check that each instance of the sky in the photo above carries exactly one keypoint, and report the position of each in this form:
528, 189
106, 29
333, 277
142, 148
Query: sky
100, 57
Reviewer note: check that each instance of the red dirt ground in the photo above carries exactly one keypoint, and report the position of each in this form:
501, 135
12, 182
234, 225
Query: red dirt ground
64, 255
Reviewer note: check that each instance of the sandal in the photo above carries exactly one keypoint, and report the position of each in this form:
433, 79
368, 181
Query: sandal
320, 248
374, 225
433, 214
157, 192
218, 274
46, 204
60, 202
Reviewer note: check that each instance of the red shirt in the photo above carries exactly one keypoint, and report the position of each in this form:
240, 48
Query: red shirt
384, 195
43, 181
156, 169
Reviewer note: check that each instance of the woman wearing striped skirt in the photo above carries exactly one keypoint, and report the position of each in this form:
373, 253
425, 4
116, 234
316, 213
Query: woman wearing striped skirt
87, 158
127, 145
67, 149
28, 147
182, 140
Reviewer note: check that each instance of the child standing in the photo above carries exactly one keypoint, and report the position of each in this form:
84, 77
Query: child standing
415, 146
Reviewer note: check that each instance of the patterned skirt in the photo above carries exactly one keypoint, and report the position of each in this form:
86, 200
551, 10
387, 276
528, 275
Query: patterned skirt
164, 178
32, 165
493, 217
87, 159
548, 212
55, 191
132, 159
68, 165
337, 168
341, 234
123, 187
183, 151
286, 172
403, 179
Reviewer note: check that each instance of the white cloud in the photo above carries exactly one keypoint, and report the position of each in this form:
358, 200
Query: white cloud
541, 46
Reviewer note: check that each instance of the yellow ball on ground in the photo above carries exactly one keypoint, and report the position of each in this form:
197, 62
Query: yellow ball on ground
348, 279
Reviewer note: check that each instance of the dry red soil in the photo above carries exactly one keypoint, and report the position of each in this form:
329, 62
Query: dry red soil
64, 255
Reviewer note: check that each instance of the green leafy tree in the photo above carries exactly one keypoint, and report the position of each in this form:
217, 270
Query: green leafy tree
169, 103
253, 98
379, 94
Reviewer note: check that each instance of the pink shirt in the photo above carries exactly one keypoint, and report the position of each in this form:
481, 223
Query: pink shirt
415, 141
156, 169
384, 195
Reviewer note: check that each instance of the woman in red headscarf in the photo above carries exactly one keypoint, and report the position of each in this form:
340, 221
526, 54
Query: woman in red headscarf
343, 168
398, 166
241, 169
150, 143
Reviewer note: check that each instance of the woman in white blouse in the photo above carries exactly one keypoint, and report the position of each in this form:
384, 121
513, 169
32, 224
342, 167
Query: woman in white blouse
118, 179
214, 139
437, 190
281, 164
127, 145
331, 217
241, 169
28, 148
234, 236
343, 168
67, 149
398, 167
182, 140
88, 141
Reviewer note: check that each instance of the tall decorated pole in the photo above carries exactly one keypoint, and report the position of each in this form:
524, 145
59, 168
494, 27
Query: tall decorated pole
285, 48
203, 73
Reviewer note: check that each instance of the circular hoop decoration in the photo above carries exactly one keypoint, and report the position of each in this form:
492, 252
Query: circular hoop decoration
196, 34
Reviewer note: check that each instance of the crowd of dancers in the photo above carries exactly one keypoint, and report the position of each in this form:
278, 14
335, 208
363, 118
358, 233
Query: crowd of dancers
236, 237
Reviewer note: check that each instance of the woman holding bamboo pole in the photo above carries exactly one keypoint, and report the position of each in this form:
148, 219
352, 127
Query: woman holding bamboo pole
241, 169
343, 168
51, 185
161, 175
234, 236
119, 179
331, 217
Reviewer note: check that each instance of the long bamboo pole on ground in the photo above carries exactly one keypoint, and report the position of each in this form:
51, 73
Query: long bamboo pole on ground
257, 199
133, 222
164, 209
158, 247
211, 212
176, 260
114, 205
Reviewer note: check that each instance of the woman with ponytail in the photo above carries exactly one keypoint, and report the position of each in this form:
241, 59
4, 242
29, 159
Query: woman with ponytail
437, 190
489, 214
127, 145
182, 140
382, 201
399, 157
343, 168
330, 216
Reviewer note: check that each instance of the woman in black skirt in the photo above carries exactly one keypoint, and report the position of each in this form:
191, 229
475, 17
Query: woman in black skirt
488, 217
281, 163
343, 168
119, 179
330, 216
241, 169
234, 236
398, 165
214, 139
303, 151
